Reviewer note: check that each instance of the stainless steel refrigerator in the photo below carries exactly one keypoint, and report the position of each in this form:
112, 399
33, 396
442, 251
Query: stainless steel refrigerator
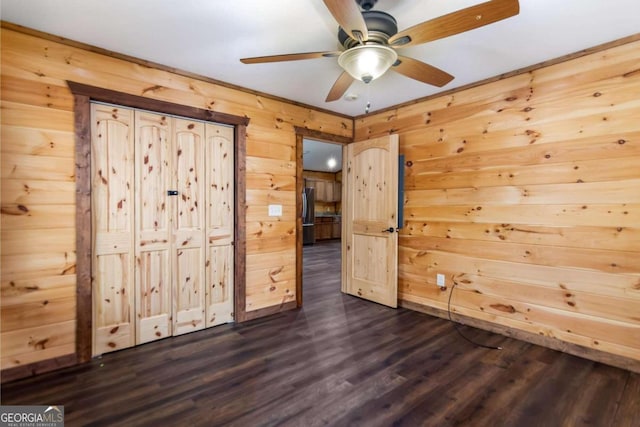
308, 217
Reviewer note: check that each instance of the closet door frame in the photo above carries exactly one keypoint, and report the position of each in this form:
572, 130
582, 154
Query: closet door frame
83, 96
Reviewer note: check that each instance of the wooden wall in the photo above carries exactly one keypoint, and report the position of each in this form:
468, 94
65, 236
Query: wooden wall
38, 187
525, 192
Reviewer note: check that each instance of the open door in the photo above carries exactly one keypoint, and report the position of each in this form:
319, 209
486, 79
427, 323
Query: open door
369, 220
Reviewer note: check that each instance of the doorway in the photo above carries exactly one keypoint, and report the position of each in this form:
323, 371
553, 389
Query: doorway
319, 188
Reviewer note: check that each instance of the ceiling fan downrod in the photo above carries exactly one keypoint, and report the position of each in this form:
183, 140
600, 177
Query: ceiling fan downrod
366, 4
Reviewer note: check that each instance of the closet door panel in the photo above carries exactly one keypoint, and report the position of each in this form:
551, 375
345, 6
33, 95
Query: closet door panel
220, 285
154, 296
189, 227
113, 328
154, 209
189, 293
220, 193
220, 188
112, 227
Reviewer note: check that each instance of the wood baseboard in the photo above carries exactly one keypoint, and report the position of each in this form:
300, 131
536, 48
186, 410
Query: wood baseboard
250, 315
549, 342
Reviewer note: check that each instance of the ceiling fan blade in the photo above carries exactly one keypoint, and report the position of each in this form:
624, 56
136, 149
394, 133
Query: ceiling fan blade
289, 57
349, 17
422, 72
456, 22
339, 87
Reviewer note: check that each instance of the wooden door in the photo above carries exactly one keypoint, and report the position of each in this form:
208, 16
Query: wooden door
189, 227
369, 215
219, 242
154, 210
112, 228
163, 226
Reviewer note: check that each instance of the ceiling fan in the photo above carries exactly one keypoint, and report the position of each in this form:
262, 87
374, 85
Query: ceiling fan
370, 39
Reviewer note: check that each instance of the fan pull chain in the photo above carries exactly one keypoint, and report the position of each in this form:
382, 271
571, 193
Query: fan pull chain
368, 107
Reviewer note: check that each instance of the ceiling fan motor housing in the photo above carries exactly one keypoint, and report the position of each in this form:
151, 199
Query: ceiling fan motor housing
380, 26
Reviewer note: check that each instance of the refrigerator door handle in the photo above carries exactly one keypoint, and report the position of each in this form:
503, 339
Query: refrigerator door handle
304, 206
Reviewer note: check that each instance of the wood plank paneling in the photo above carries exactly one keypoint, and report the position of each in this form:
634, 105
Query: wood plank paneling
455, 265
29, 315
39, 162
19, 242
16, 114
525, 194
37, 94
21, 166
620, 215
37, 343
573, 237
28, 266
37, 192
568, 172
37, 142
18, 292
613, 261
269, 181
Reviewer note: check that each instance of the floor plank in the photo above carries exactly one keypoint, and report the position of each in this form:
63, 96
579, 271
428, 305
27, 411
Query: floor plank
338, 361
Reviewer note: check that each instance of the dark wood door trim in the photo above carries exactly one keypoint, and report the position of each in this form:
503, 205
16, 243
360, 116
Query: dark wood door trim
302, 133
83, 95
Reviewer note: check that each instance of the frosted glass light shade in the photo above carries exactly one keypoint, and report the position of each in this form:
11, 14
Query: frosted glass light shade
367, 62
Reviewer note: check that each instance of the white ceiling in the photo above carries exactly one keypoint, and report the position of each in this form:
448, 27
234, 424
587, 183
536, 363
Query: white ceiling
315, 156
208, 37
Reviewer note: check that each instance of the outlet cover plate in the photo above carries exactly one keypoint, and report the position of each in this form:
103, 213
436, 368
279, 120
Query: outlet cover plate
440, 280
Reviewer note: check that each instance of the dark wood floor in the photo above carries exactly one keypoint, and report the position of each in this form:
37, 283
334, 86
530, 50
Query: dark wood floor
339, 361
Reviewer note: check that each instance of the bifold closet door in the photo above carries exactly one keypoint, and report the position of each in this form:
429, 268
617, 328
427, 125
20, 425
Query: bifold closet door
170, 223
112, 207
220, 223
189, 227
154, 210
163, 226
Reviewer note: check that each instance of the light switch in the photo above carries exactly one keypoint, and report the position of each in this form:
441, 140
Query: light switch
275, 210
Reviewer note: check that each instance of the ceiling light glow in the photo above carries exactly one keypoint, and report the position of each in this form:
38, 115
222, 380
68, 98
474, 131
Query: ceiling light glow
367, 62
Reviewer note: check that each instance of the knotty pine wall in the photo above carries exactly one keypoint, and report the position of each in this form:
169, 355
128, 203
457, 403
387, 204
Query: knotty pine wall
525, 192
38, 188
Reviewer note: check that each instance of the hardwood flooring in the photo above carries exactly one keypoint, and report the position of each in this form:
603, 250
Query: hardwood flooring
339, 361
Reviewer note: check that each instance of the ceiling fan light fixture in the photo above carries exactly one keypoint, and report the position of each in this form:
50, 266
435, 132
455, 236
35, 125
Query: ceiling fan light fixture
367, 62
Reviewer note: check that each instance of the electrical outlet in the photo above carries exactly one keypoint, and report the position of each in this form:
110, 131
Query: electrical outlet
440, 280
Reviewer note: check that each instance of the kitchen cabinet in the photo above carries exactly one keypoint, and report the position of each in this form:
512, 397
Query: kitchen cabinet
321, 191
336, 229
326, 191
323, 226
328, 227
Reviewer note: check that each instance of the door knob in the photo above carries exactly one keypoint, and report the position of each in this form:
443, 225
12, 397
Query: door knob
389, 230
